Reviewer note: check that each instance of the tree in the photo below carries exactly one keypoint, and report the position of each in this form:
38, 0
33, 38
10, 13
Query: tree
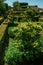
2, 7
2, 1
16, 6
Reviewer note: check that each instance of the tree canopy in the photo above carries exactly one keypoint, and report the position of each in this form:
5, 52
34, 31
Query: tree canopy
2, 7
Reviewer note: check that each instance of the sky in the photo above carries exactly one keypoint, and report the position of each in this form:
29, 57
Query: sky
30, 2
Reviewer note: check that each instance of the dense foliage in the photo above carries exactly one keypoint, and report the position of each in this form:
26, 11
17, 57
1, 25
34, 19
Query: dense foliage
24, 45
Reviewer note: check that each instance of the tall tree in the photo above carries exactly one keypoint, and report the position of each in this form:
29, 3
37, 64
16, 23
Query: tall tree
16, 5
2, 7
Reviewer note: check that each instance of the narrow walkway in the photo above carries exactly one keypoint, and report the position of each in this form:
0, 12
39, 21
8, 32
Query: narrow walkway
4, 25
2, 30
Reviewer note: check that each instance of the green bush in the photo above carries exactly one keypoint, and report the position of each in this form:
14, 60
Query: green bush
25, 44
11, 32
13, 54
41, 24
